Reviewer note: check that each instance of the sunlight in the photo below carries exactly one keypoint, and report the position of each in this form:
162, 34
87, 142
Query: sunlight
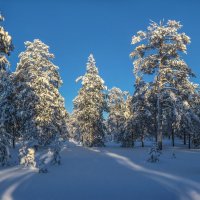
99, 100
94, 150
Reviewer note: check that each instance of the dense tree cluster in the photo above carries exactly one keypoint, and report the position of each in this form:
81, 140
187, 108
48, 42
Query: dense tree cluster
33, 115
169, 102
32, 111
6, 107
170, 99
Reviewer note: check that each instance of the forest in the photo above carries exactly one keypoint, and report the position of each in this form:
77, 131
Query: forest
165, 103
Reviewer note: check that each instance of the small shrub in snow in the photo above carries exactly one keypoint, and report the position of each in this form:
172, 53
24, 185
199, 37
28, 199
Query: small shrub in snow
56, 156
22, 154
27, 157
31, 157
173, 154
154, 154
55, 151
42, 166
196, 141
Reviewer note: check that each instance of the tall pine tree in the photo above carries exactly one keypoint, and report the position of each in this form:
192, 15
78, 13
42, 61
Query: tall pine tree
6, 107
89, 106
160, 54
40, 107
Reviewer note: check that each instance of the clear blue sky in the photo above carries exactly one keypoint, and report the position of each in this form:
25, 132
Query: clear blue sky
73, 29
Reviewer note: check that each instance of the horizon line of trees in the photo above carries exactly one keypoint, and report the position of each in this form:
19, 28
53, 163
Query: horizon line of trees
33, 115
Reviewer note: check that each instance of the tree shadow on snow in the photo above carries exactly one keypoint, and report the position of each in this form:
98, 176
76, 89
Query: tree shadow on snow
183, 188
102, 173
11, 179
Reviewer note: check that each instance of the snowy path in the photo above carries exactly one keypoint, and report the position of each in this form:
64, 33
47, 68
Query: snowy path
106, 174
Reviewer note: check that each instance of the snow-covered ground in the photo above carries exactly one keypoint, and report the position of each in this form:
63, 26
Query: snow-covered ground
108, 173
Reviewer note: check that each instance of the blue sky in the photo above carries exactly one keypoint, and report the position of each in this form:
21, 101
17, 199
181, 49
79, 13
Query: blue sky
73, 29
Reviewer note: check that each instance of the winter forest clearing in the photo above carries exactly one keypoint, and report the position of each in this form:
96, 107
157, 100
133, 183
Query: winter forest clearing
108, 173
142, 143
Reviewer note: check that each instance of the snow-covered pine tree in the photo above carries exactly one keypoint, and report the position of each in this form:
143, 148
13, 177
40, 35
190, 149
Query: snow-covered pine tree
73, 127
189, 123
129, 134
6, 108
89, 106
141, 110
116, 118
196, 110
40, 107
159, 54
154, 154
151, 100
138, 113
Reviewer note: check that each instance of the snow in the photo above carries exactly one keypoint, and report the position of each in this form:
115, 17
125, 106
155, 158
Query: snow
108, 173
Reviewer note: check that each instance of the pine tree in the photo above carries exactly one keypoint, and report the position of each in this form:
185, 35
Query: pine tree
89, 106
6, 108
117, 108
196, 126
40, 107
160, 55
189, 123
141, 111
154, 154
73, 127
129, 135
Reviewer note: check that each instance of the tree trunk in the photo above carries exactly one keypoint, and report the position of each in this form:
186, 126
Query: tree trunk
142, 140
172, 137
184, 139
159, 131
189, 138
133, 138
117, 135
13, 142
133, 142
13, 138
155, 127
